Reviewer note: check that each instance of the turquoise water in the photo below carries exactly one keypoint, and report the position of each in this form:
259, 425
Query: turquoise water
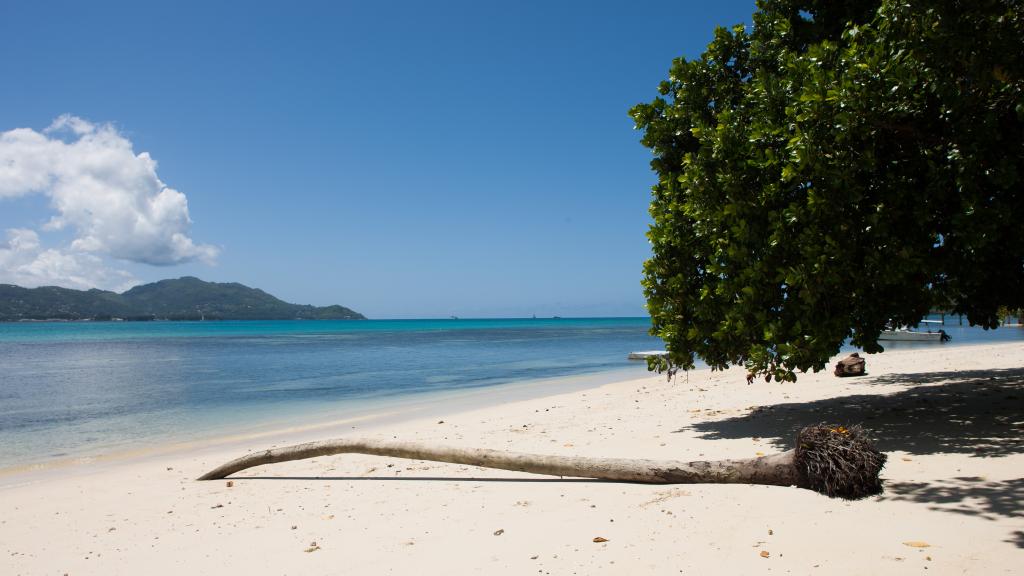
84, 388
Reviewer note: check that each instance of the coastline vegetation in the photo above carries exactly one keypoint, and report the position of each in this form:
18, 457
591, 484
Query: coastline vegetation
186, 298
835, 169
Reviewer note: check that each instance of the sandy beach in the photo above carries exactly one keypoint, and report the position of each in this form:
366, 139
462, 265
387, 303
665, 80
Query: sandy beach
950, 419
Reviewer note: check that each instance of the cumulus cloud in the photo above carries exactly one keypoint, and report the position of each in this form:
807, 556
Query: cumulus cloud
108, 196
25, 262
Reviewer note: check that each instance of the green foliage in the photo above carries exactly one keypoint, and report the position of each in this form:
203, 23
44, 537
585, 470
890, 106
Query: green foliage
839, 167
53, 303
185, 298
1008, 314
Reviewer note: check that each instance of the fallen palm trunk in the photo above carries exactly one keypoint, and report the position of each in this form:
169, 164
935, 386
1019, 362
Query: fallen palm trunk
833, 460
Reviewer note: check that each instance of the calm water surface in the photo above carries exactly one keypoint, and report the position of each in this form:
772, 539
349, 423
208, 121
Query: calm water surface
79, 388
71, 389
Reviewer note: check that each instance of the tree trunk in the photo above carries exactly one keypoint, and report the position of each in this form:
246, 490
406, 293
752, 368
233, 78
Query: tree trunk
774, 470
832, 460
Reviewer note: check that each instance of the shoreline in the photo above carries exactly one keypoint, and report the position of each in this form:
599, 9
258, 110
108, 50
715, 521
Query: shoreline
362, 414
370, 413
947, 417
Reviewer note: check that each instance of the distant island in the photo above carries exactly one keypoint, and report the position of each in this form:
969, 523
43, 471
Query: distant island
186, 298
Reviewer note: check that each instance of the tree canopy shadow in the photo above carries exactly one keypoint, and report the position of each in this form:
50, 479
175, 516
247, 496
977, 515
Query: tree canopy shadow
966, 495
979, 376
978, 412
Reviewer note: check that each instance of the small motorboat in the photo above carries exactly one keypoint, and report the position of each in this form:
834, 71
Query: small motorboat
644, 355
904, 334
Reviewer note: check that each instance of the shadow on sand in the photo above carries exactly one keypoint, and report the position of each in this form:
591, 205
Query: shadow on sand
976, 412
972, 496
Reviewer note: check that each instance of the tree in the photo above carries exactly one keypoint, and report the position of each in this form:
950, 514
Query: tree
840, 167
832, 460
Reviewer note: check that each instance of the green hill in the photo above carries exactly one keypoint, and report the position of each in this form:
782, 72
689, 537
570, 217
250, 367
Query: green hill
186, 298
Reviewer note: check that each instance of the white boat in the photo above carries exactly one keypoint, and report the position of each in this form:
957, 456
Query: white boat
644, 355
907, 335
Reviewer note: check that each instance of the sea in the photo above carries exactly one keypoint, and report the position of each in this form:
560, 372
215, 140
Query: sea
85, 389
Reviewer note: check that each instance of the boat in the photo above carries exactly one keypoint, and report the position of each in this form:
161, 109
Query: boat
904, 334
645, 354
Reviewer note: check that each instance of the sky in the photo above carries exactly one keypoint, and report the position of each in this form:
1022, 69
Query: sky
404, 159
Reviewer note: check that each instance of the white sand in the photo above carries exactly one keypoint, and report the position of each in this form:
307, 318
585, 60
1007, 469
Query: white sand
950, 418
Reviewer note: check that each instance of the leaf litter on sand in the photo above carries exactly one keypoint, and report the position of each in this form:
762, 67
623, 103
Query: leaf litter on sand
665, 495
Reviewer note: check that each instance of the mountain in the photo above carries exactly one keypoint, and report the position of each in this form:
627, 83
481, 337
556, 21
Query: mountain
186, 298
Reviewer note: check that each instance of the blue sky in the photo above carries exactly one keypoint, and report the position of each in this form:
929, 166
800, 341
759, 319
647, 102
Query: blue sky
405, 159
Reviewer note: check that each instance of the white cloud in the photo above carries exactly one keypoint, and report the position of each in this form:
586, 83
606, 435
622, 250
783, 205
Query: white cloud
106, 194
25, 262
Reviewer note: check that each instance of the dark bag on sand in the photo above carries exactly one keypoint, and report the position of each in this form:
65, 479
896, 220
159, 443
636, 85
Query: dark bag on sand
852, 365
